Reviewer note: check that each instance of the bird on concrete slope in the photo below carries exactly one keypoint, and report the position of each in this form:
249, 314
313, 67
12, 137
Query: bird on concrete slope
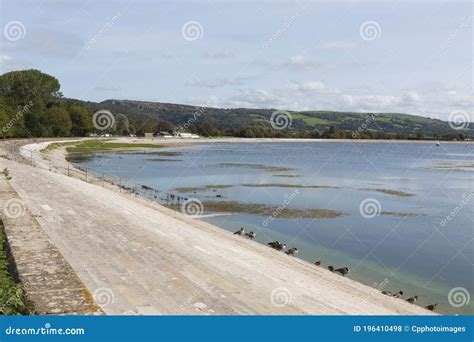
251, 235
398, 294
317, 263
342, 270
277, 245
412, 300
432, 307
240, 231
292, 251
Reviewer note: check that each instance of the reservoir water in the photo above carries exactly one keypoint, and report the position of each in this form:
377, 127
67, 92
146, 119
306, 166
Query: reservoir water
405, 210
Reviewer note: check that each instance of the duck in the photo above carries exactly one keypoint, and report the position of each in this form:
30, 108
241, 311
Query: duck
317, 263
387, 293
432, 307
342, 270
398, 294
292, 251
251, 235
240, 231
412, 300
277, 245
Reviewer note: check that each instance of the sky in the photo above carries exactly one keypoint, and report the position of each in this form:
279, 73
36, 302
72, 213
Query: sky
380, 56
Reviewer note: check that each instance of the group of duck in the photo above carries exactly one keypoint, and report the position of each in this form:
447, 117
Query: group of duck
410, 300
275, 244
279, 246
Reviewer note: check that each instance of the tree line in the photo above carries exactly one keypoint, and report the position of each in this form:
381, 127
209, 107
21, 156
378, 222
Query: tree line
32, 105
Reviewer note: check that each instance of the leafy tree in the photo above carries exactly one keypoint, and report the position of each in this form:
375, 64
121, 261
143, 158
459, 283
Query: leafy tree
58, 121
81, 120
164, 126
29, 85
121, 124
208, 130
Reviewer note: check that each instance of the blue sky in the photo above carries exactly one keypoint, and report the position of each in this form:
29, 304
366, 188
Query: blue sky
394, 56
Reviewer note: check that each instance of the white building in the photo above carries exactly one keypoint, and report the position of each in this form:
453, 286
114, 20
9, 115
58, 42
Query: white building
185, 135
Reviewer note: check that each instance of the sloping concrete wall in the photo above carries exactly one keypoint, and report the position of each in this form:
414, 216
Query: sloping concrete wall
51, 285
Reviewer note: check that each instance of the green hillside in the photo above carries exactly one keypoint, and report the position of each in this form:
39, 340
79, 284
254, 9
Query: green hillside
256, 122
32, 105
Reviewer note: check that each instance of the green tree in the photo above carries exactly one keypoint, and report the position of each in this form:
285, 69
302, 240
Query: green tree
121, 124
58, 122
29, 85
81, 120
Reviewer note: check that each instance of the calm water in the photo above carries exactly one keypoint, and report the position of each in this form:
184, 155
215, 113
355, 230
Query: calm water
409, 250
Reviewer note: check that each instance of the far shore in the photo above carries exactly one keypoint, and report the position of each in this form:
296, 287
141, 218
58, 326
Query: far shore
180, 141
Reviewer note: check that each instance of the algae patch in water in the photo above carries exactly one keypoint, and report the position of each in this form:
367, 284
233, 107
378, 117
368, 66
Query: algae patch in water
267, 210
159, 153
283, 185
286, 176
164, 160
400, 214
450, 166
253, 166
204, 188
390, 192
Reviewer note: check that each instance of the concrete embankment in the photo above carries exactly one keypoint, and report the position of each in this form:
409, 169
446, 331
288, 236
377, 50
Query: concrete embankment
51, 285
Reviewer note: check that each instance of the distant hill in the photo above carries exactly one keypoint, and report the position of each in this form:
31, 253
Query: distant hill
32, 105
394, 125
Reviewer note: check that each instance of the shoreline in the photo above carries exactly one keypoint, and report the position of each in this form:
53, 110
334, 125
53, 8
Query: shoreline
241, 140
181, 141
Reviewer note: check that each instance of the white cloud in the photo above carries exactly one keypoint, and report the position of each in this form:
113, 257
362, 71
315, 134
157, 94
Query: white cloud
316, 95
315, 86
219, 54
337, 45
303, 62
214, 83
